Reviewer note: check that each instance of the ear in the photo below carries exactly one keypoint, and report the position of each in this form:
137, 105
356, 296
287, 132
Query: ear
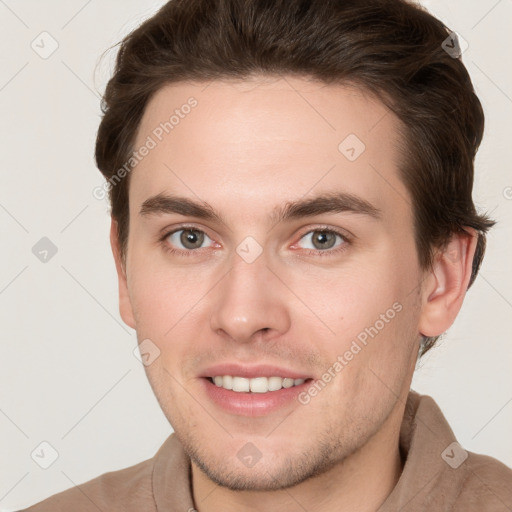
125, 306
445, 286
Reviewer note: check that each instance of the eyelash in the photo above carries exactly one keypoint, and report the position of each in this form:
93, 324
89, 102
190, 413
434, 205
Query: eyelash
179, 252
323, 229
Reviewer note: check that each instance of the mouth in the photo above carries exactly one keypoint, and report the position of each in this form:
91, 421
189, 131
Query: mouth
240, 384
253, 391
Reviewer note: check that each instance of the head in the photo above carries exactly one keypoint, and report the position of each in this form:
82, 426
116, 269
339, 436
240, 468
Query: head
318, 159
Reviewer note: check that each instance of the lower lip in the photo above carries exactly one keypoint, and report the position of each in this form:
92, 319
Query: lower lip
252, 404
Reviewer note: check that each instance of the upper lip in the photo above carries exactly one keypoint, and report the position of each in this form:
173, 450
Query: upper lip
249, 372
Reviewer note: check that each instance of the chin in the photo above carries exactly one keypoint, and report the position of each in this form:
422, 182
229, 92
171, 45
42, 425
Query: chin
280, 471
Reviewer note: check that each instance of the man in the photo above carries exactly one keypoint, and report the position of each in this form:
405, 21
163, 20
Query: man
293, 226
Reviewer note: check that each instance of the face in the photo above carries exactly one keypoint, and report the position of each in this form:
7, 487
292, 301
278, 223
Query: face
271, 244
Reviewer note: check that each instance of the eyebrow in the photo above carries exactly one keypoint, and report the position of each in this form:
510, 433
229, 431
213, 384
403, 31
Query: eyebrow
338, 202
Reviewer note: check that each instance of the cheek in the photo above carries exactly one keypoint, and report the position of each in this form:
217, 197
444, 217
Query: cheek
155, 307
152, 303
159, 293
169, 308
354, 297
372, 309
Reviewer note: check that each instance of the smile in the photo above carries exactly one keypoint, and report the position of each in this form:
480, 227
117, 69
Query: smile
256, 384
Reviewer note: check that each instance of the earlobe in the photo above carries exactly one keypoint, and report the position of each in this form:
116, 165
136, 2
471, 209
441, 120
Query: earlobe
445, 286
125, 307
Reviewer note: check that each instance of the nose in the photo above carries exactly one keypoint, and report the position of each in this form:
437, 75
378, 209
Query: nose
249, 303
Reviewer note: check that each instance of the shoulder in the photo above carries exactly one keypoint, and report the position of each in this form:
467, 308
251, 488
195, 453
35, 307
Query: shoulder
487, 483
123, 490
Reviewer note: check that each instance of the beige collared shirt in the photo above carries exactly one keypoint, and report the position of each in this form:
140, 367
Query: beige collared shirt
438, 475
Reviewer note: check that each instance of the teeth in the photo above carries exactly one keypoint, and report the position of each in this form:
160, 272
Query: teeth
226, 382
275, 383
258, 384
287, 383
239, 384
255, 385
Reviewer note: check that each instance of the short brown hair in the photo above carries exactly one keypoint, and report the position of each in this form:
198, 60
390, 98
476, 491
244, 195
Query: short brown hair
390, 48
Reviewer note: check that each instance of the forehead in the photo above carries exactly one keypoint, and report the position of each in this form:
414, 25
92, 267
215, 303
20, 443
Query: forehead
268, 140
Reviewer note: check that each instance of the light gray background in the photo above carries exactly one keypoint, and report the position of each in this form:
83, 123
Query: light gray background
68, 375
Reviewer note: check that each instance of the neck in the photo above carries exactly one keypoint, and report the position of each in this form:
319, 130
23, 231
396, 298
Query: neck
360, 482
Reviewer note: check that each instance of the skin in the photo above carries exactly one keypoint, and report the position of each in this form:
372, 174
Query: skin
247, 148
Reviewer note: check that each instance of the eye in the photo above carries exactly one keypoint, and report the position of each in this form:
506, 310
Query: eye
188, 239
322, 240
